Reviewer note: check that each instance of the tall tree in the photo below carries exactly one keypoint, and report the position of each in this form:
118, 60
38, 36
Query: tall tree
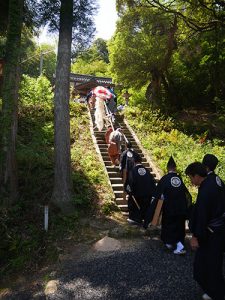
75, 20
9, 122
197, 15
190, 21
141, 50
62, 180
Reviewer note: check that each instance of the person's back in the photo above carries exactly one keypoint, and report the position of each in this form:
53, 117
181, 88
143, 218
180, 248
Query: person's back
210, 205
142, 187
127, 167
113, 152
210, 161
174, 193
123, 157
208, 231
118, 137
142, 182
176, 198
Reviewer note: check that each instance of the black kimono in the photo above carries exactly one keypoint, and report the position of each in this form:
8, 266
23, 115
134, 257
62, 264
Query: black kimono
208, 226
127, 164
142, 185
177, 199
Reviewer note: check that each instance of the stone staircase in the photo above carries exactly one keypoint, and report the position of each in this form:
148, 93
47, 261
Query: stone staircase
113, 172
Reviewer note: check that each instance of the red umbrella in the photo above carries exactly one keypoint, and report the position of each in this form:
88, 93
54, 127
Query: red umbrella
102, 92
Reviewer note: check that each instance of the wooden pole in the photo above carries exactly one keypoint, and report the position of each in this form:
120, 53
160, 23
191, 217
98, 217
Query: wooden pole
158, 210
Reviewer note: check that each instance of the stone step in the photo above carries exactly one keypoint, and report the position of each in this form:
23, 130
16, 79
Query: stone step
121, 201
145, 164
117, 186
116, 180
118, 194
107, 163
123, 208
100, 140
106, 157
103, 147
103, 150
99, 133
149, 168
113, 174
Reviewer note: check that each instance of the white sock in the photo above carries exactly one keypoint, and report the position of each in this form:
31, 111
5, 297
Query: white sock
180, 246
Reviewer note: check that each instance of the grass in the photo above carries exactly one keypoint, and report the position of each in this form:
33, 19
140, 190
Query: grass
25, 245
163, 136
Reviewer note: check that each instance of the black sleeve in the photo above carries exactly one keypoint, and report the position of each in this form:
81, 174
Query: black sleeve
123, 160
159, 189
201, 215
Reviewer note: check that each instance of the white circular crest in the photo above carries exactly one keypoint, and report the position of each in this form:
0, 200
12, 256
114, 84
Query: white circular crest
129, 154
175, 181
218, 181
141, 171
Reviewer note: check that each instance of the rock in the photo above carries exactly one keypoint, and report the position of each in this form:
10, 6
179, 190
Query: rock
107, 244
51, 287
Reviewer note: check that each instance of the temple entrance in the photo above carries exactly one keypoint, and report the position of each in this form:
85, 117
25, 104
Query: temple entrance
82, 84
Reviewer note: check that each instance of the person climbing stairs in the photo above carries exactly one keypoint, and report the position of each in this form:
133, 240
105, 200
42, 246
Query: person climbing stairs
113, 172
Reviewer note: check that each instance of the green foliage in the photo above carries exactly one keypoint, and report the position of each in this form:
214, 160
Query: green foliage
25, 244
197, 71
190, 71
89, 172
36, 92
94, 61
109, 206
31, 59
83, 20
160, 136
97, 51
138, 47
95, 68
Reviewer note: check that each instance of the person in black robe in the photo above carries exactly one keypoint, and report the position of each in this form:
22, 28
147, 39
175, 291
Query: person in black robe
141, 189
126, 161
210, 161
176, 200
207, 226
126, 165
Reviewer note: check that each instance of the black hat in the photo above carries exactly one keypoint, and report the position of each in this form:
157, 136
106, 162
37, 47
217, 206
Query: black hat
210, 161
171, 163
129, 144
137, 157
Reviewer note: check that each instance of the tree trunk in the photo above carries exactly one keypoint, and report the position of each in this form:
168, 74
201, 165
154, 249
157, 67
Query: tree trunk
62, 192
153, 89
9, 122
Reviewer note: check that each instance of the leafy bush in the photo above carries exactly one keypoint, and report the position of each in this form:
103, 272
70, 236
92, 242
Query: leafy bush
160, 137
36, 91
24, 241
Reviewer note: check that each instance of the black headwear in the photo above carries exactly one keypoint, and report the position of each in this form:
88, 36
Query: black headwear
210, 161
171, 163
137, 157
129, 144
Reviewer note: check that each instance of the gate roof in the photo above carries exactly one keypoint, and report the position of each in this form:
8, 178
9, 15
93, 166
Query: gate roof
84, 83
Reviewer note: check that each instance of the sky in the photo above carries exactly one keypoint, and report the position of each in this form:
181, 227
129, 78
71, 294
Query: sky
105, 22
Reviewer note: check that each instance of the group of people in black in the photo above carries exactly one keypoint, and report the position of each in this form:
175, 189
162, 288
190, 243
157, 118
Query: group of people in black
206, 216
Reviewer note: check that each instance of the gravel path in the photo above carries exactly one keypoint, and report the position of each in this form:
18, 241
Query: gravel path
140, 269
